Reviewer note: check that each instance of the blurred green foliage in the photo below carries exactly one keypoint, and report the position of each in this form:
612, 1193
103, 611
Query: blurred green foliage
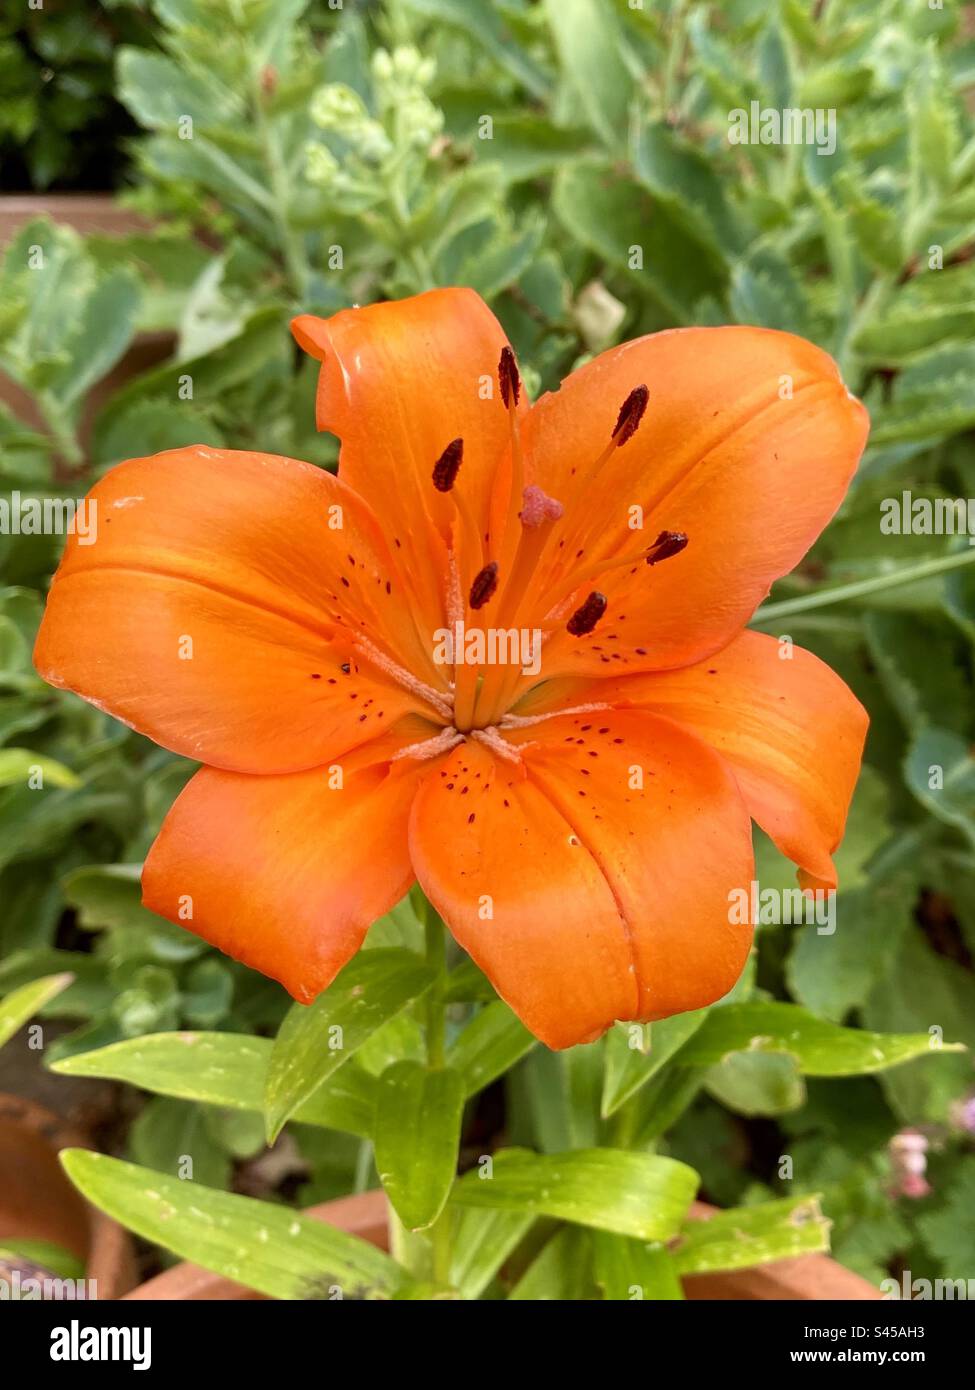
569, 159
61, 124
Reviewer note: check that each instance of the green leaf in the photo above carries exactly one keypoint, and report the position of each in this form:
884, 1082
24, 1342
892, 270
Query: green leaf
636, 1052
264, 1245
315, 1040
676, 173
417, 1135
830, 975
875, 224
932, 397
20, 766
753, 1235
527, 147
403, 1037
634, 1194
766, 291
612, 214
931, 123
160, 91
207, 992
103, 335
940, 771
757, 1083
223, 1069
60, 1262
629, 1270
400, 926
481, 1242
820, 1048
484, 23
950, 1233
587, 41
233, 363
110, 896
561, 1272
935, 306
21, 1004
490, 1045
172, 1136
469, 985
562, 1092
495, 266
921, 669
775, 66
926, 991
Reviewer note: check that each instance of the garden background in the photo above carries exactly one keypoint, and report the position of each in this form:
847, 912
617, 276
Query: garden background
260, 159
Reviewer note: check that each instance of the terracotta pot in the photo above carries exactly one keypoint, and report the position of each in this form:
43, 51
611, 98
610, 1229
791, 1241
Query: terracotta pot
809, 1277
87, 213
37, 1201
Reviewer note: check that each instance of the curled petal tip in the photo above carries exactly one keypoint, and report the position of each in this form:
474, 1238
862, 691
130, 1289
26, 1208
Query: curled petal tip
311, 335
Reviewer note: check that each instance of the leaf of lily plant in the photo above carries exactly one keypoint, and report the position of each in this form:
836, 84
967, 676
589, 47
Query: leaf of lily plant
17, 765
482, 1240
627, 1067
418, 1115
634, 1194
225, 1069
820, 1048
747, 1236
491, 1043
21, 1004
561, 1271
629, 1270
315, 1040
266, 1246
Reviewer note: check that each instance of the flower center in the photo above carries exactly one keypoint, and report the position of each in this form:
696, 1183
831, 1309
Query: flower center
496, 578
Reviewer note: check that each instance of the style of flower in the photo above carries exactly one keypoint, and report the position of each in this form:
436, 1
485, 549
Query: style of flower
581, 821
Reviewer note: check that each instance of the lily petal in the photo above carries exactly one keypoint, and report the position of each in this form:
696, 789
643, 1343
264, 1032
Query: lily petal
584, 896
284, 873
747, 446
790, 728
217, 609
399, 382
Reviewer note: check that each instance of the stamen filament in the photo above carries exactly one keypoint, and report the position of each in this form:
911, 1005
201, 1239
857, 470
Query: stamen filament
430, 747
525, 721
493, 740
435, 698
473, 540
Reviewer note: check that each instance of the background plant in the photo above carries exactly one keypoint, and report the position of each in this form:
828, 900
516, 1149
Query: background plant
338, 156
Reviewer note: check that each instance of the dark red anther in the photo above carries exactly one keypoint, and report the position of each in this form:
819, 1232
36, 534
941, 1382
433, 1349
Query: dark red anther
631, 413
485, 583
668, 543
508, 378
447, 466
584, 619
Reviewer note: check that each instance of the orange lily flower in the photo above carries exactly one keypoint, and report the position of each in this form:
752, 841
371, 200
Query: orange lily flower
577, 806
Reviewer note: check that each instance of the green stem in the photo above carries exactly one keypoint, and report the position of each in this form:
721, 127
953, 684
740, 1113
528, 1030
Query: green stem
860, 588
436, 951
363, 1165
436, 1026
